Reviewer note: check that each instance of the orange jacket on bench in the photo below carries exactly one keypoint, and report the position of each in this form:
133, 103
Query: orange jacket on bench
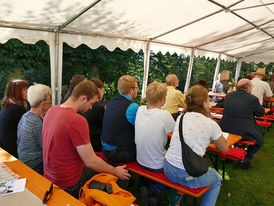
97, 197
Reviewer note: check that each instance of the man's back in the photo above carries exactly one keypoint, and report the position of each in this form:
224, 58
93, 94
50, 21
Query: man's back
260, 89
151, 129
63, 130
117, 130
174, 100
240, 108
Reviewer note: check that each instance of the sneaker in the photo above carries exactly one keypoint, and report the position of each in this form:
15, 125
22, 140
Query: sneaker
144, 196
244, 164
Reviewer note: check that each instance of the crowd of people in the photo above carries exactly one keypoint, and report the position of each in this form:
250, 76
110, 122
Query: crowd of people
60, 141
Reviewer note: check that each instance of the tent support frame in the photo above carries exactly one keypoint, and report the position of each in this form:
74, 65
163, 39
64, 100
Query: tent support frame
216, 71
146, 69
189, 71
238, 69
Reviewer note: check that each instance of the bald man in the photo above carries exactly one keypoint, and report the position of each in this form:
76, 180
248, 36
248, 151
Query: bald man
240, 107
174, 98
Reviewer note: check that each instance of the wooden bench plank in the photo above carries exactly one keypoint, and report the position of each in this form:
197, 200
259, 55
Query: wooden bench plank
161, 178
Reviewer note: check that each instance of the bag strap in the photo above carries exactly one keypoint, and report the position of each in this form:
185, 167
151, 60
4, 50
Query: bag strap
181, 128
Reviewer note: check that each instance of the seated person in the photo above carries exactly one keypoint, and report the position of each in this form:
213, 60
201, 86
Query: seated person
29, 142
198, 131
202, 82
271, 84
221, 85
76, 79
119, 122
95, 117
240, 108
174, 98
152, 126
260, 88
68, 156
13, 107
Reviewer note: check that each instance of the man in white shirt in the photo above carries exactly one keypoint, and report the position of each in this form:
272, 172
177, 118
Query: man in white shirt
260, 88
152, 126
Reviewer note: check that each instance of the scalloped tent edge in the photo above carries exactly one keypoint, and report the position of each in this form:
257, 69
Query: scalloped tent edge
247, 34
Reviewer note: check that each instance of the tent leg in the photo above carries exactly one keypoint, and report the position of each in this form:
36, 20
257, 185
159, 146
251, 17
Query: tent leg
146, 69
216, 72
56, 50
238, 69
189, 71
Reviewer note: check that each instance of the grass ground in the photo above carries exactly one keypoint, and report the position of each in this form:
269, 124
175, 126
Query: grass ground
252, 187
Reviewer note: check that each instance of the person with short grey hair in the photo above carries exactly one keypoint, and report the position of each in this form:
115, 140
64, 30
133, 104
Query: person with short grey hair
29, 142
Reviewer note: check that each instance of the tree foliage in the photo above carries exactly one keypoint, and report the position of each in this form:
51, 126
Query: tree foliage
32, 62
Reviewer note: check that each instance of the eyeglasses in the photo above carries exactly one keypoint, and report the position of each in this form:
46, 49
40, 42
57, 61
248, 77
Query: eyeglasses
48, 194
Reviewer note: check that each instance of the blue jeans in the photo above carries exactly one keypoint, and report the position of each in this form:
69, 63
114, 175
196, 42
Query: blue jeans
212, 178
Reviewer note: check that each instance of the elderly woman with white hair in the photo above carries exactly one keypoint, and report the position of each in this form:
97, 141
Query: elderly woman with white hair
29, 142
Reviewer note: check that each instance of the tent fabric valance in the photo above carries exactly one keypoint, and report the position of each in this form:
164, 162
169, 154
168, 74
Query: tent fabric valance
235, 28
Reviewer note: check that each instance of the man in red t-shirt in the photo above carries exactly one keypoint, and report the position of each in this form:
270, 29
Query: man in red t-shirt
69, 159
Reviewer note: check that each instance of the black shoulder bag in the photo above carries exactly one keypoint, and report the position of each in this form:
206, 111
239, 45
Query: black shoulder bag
194, 164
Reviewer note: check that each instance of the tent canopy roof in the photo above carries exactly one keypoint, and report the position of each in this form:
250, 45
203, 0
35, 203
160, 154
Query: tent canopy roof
237, 29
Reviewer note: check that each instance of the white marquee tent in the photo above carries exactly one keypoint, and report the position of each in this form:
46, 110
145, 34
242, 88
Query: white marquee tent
236, 30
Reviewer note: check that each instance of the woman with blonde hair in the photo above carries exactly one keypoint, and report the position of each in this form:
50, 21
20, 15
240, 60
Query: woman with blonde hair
13, 107
198, 131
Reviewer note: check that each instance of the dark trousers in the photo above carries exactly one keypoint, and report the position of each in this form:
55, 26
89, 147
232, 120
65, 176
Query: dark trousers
252, 149
119, 155
87, 174
96, 143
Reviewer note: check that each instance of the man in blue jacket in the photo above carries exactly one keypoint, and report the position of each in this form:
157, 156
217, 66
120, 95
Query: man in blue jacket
118, 133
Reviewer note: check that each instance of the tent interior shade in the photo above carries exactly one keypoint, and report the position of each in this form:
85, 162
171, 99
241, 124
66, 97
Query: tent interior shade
238, 29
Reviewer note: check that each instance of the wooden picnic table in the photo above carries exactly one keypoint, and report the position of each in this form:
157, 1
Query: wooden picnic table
231, 140
217, 113
36, 183
216, 95
270, 100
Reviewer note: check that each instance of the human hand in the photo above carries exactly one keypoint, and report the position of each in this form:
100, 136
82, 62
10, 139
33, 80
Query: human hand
121, 172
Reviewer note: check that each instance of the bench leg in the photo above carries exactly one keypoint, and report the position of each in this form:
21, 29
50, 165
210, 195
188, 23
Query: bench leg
223, 170
171, 194
195, 201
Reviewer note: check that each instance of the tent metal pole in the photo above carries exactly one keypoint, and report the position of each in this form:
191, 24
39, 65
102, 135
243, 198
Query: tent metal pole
52, 67
238, 69
216, 71
56, 53
248, 45
59, 62
196, 20
189, 71
250, 7
77, 15
146, 69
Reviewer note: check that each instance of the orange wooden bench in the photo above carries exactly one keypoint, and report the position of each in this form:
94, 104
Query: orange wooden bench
234, 154
264, 125
216, 110
161, 178
244, 143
